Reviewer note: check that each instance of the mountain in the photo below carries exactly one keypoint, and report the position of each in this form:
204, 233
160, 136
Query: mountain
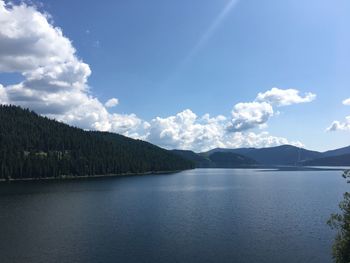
279, 155
241, 151
340, 151
282, 155
217, 159
229, 160
200, 161
339, 160
32, 146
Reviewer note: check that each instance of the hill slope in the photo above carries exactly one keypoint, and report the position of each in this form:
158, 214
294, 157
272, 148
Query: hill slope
339, 160
279, 155
241, 151
340, 151
200, 161
217, 159
32, 146
229, 160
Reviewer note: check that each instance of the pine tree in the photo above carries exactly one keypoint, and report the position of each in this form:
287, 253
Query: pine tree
32, 146
341, 222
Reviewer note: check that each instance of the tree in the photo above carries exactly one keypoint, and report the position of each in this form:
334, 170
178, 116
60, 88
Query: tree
32, 146
341, 222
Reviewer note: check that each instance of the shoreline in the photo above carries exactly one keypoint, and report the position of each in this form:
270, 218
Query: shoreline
71, 177
262, 168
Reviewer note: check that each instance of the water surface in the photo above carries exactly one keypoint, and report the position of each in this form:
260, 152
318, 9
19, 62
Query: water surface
202, 215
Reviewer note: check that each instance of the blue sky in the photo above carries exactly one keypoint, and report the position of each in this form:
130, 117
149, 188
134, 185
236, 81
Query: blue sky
140, 53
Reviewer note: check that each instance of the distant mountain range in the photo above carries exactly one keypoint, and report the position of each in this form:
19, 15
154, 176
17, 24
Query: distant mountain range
217, 159
280, 155
337, 152
338, 160
284, 155
32, 146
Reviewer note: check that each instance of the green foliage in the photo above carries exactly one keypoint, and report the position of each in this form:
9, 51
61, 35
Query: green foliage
32, 146
338, 160
229, 159
341, 222
217, 159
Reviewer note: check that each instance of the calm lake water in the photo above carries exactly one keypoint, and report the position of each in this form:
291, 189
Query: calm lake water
203, 215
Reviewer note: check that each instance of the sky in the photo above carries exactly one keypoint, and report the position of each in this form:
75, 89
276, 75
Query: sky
184, 74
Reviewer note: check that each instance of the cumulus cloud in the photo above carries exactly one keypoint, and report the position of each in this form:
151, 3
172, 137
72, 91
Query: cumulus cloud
112, 103
257, 140
55, 79
55, 84
186, 130
3, 95
255, 114
250, 115
340, 126
346, 102
284, 97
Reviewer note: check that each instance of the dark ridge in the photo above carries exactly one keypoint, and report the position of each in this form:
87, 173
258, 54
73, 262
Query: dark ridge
279, 155
339, 160
217, 159
229, 159
340, 151
32, 146
200, 161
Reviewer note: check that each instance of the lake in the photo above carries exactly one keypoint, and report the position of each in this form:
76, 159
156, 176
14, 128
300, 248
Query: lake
202, 215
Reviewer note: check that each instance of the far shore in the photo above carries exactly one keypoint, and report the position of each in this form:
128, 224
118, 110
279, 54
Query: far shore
262, 168
72, 177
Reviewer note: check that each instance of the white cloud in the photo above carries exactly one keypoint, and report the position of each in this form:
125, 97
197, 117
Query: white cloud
257, 140
340, 126
29, 42
250, 115
56, 85
346, 102
186, 130
284, 97
3, 95
55, 78
256, 114
112, 103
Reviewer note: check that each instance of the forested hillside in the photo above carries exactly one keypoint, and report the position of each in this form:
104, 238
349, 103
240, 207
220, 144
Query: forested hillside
217, 159
228, 160
290, 155
279, 155
198, 160
337, 152
32, 146
338, 160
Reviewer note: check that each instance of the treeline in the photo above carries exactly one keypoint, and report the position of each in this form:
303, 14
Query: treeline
217, 159
339, 160
32, 146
